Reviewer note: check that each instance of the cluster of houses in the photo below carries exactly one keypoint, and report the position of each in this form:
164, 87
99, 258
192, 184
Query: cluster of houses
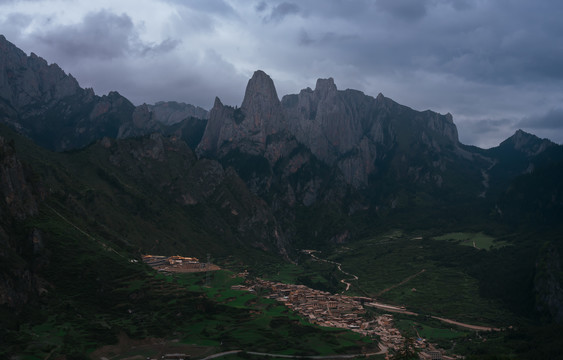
340, 311
333, 310
177, 263
157, 260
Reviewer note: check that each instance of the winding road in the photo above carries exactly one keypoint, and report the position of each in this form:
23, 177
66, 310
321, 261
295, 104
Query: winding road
338, 265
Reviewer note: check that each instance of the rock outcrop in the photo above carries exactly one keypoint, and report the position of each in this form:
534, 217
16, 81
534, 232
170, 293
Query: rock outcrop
354, 131
172, 112
255, 128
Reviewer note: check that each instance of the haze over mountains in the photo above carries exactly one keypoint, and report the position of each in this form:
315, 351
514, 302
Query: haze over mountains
309, 170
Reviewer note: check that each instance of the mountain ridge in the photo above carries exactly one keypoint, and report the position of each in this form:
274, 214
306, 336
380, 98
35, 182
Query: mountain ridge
306, 149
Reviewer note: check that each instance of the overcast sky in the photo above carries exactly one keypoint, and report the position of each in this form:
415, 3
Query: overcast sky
495, 65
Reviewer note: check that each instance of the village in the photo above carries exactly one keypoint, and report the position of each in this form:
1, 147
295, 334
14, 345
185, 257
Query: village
318, 307
341, 311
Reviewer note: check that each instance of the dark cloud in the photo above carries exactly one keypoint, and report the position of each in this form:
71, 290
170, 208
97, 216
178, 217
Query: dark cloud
304, 38
162, 47
261, 6
552, 120
408, 10
358, 12
14, 24
206, 6
279, 12
460, 5
326, 38
101, 35
485, 43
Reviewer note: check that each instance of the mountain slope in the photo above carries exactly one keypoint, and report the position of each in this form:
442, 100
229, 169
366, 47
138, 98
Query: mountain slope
50, 107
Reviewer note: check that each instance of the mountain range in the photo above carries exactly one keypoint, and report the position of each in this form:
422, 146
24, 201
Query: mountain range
320, 168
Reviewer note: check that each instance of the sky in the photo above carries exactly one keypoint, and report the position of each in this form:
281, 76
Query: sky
495, 65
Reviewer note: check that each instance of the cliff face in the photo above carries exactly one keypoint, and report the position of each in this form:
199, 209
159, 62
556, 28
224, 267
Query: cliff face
354, 131
340, 127
258, 127
20, 251
346, 129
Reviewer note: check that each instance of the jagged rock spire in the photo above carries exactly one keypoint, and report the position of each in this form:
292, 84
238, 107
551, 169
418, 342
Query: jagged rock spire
247, 128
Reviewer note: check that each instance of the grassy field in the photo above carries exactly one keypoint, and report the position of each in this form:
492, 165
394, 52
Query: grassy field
426, 275
476, 240
271, 327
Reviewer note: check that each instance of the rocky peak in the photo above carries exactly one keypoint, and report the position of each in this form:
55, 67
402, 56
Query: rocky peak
247, 128
28, 80
526, 143
325, 87
260, 91
261, 106
217, 104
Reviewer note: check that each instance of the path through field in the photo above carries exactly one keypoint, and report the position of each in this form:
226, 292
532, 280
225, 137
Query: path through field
401, 283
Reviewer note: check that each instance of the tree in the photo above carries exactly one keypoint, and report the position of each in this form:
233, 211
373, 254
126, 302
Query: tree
408, 351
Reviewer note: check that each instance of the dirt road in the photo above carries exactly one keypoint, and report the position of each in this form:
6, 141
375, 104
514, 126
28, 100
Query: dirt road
467, 326
401, 283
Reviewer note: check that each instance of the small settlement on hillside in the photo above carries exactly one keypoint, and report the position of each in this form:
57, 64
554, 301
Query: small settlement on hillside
178, 263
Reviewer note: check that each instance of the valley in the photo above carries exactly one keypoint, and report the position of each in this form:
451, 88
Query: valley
355, 221
321, 308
